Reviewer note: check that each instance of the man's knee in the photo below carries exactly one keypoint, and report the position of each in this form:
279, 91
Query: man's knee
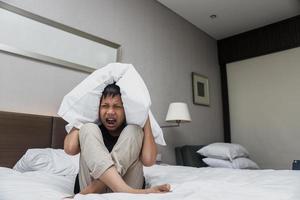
88, 129
134, 131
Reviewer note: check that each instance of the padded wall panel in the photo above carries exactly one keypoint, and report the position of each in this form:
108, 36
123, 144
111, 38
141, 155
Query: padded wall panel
18, 132
58, 133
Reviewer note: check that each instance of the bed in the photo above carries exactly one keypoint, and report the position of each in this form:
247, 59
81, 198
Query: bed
19, 132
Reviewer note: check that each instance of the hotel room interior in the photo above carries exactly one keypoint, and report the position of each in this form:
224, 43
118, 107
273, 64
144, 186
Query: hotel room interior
233, 64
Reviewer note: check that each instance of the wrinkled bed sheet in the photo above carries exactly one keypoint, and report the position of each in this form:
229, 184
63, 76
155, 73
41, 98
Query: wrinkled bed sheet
215, 183
35, 185
186, 183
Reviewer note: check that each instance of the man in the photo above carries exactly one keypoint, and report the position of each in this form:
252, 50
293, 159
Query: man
112, 155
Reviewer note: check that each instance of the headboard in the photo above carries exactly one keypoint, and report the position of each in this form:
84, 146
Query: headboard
19, 132
187, 156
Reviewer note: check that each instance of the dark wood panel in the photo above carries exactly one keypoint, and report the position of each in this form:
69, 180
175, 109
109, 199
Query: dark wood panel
18, 132
268, 39
58, 133
225, 103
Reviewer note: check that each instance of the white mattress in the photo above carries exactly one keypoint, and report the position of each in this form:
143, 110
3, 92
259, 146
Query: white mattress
186, 182
215, 184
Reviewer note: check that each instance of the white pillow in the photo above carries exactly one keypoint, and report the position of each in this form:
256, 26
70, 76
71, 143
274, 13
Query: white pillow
225, 151
54, 161
81, 105
244, 163
213, 162
238, 163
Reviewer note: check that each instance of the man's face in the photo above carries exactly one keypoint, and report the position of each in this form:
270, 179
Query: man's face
111, 113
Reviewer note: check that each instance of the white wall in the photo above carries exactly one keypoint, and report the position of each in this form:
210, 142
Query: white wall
264, 101
163, 47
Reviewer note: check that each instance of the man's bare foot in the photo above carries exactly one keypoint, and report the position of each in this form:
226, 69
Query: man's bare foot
159, 189
69, 197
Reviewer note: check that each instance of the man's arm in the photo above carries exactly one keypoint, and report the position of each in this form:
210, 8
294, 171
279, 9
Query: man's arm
71, 142
149, 149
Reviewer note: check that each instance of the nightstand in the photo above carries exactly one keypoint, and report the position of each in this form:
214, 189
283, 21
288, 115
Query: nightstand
296, 165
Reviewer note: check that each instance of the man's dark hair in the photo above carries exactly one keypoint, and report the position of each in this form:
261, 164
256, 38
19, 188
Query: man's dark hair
111, 90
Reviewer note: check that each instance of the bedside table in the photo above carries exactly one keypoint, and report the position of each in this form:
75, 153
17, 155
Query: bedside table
296, 165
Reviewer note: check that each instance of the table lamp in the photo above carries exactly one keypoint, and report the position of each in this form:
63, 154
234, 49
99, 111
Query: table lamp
178, 112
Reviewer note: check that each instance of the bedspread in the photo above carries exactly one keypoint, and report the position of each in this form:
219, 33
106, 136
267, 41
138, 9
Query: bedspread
34, 185
215, 183
186, 183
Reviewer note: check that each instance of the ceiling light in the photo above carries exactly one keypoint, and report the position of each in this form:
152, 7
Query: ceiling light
213, 16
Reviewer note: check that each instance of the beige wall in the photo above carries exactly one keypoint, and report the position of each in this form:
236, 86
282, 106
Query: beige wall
163, 47
264, 101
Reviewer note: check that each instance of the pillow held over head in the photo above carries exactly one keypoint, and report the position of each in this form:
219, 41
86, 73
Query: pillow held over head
81, 105
225, 151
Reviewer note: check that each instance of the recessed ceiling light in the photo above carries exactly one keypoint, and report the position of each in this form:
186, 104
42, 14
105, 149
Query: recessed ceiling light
213, 16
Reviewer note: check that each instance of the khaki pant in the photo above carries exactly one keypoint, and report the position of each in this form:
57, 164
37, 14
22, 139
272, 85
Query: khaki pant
95, 158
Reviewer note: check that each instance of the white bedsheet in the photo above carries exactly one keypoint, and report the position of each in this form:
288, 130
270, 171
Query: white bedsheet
186, 182
215, 184
34, 185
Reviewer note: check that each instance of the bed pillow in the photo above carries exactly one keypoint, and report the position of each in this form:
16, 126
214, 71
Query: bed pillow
225, 151
219, 163
54, 161
244, 163
81, 105
238, 163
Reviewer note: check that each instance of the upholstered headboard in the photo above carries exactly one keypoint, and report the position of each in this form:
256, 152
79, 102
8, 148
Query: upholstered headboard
19, 132
186, 155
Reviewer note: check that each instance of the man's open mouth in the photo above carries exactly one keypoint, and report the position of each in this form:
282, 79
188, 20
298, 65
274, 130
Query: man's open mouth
111, 121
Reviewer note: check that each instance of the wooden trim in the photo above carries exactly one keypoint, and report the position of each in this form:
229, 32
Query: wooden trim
225, 101
268, 39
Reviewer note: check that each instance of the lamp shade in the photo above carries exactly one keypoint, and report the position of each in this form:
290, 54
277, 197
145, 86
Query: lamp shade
178, 112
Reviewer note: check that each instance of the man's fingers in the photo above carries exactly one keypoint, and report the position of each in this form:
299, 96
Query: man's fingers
165, 188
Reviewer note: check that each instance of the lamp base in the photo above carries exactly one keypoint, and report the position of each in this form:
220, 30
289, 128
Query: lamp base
173, 125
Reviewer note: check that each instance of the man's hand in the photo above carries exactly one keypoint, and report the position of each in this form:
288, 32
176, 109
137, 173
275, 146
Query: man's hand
159, 189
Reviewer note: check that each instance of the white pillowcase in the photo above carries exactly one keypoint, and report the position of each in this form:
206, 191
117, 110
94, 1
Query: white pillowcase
54, 161
225, 151
81, 105
238, 163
